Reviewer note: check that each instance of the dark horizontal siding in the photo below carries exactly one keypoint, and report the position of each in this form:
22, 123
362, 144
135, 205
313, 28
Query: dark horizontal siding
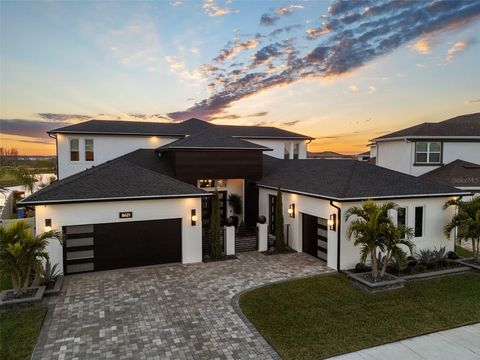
192, 165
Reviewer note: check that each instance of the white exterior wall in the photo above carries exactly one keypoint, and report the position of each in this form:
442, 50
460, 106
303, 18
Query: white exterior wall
395, 155
399, 155
307, 205
107, 212
106, 147
278, 147
435, 218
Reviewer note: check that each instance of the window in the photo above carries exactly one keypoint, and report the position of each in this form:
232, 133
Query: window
272, 203
419, 221
211, 183
286, 151
402, 218
296, 150
428, 152
74, 150
88, 149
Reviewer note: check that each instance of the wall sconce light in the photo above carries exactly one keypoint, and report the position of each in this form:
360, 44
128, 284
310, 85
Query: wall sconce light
194, 217
332, 222
291, 210
48, 225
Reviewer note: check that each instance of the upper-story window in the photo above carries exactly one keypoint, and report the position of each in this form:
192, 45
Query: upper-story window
296, 150
286, 150
89, 150
428, 152
74, 150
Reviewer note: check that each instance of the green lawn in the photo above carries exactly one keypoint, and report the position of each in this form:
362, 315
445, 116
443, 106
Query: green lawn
327, 315
462, 252
19, 331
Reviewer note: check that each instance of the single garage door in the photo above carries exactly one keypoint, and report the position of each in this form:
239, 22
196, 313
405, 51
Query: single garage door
314, 236
120, 245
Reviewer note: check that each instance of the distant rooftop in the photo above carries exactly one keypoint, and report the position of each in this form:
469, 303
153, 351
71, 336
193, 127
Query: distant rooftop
185, 128
327, 155
464, 126
458, 173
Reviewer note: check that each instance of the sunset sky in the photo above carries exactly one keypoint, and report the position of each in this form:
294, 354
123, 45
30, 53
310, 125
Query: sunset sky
342, 72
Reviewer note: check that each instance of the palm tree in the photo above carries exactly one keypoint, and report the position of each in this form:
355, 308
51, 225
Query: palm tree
467, 223
21, 253
393, 238
26, 178
215, 246
279, 236
366, 229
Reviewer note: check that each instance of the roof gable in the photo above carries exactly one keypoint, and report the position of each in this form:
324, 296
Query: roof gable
463, 126
457, 173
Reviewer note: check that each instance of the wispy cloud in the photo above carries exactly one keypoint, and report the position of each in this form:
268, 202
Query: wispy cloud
473, 101
457, 48
358, 34
274, 15
353, 88
236, 117
178, 67
423, 46
231, 51
63, 117
212, 8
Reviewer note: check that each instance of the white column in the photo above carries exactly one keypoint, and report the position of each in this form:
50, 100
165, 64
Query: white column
229, 240
291, 151
262, 237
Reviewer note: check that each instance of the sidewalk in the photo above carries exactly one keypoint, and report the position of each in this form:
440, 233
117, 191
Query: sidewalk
455, 344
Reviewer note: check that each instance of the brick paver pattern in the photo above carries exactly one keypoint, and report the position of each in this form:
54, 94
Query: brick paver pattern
165, 312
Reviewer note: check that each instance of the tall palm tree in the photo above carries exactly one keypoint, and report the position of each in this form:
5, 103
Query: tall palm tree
393, 238
21, 253
27, 178
366, 229
467, 222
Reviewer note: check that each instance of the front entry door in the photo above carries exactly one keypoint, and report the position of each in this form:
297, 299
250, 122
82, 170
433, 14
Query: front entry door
314, 236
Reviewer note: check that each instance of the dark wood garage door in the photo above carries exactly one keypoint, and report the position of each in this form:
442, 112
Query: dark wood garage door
121, 245
314, 236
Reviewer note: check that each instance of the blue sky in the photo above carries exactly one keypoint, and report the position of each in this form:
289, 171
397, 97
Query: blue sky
343, 72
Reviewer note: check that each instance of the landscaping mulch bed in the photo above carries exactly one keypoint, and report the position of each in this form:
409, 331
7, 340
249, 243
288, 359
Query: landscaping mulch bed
470, 263
223, 258
368, 277
10, 295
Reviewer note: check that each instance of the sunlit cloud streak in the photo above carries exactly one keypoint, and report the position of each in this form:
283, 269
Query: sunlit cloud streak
358, 32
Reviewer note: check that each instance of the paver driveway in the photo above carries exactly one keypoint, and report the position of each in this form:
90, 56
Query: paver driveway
175, 311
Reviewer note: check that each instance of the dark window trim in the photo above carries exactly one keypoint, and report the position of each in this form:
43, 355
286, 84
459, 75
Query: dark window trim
439, 163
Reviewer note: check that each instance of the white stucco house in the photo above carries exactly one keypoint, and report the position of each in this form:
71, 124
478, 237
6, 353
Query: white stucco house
447, 151
139, 193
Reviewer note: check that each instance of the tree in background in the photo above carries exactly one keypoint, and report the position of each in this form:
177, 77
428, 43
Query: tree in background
279, 235
215, 245
467, 223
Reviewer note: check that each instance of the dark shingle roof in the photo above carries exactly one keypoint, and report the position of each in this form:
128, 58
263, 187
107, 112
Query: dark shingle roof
460, 126
188, 127
457, 173
136, 175
212, 138
349, 180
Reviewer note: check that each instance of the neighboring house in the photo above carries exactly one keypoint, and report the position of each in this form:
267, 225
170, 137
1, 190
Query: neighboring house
423, 148
327, 155
136, 193
460, 174
365, 156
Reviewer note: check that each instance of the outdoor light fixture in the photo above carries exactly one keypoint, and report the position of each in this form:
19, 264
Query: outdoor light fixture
48, 225
332, 222
194, 217
291, 210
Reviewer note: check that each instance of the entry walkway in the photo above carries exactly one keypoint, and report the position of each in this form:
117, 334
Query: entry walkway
456, 344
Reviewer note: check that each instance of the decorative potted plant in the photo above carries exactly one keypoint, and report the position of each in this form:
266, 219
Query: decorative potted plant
235, 202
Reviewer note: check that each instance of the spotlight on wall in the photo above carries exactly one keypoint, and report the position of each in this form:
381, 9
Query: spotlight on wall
291, 210
48, 225
332, 222
194, 217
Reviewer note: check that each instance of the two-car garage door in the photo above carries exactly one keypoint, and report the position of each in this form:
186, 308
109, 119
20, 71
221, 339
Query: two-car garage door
124, 244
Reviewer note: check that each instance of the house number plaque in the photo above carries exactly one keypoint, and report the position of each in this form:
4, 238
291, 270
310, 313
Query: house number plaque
125, 215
